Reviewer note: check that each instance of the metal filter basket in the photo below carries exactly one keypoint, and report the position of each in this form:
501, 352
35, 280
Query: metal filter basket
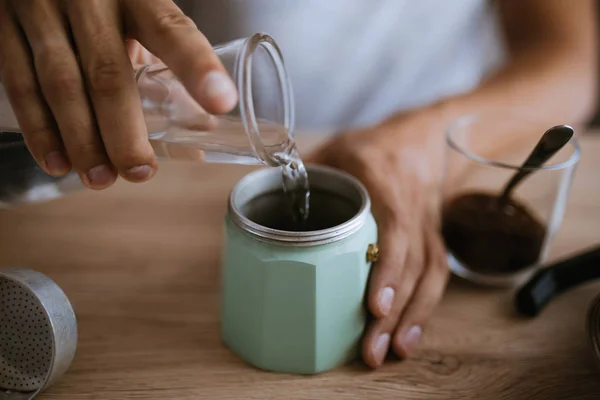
38, 333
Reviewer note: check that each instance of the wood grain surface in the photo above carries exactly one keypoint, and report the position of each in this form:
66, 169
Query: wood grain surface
140, 265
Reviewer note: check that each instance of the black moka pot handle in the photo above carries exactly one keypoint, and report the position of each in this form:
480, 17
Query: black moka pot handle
555, 279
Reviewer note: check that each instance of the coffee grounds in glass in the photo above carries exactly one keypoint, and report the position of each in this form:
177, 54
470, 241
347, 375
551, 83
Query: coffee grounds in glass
491, 239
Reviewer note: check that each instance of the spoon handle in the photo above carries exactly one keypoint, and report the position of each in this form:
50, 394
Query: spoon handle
516, 179
551, 142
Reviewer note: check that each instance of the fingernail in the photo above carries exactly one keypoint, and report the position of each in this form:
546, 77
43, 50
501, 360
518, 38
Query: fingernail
382, 345
218, 86
101, 176
56, 163
411, 339
386, 299
139, 173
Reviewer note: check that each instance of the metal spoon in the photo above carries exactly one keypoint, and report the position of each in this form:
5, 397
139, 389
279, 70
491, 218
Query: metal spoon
551, 142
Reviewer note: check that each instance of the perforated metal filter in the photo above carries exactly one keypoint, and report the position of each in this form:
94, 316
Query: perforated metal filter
26, 341
38, 333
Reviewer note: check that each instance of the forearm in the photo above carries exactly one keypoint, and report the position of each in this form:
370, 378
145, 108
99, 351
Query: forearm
550, 83
552, 67
550, 76
555, 85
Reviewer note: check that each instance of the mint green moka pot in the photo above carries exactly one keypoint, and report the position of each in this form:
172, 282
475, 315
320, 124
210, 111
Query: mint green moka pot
294, 302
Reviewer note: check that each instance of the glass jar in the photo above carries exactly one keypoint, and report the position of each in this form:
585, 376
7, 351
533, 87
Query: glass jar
503, 245
259, 130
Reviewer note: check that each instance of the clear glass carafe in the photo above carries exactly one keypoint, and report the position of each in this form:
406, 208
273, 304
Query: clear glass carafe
259, 130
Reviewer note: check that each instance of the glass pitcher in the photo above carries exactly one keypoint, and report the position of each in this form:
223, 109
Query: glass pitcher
259, 130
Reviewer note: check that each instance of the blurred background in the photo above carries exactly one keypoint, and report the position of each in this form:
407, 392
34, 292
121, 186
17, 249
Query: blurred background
595, 122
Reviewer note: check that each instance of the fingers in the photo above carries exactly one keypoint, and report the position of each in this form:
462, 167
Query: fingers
404, 292
81, 107
378, 338
100, 130
164, 30
63, 88
139, 55
113, 93
33, 115
382, 300
426, 296
392, 284
385, 284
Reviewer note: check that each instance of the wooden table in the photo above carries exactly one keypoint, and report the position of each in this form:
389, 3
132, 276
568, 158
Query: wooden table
140, 264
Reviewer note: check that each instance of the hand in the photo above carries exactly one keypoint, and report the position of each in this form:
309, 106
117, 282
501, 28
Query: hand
410, 277
139, 55
65, 68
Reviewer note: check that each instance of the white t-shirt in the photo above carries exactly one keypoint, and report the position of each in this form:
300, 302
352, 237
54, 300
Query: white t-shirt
356, 62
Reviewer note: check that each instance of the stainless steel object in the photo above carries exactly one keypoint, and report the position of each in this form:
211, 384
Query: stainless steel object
22, 181
550, 143
321, 178
38, 333
593, 327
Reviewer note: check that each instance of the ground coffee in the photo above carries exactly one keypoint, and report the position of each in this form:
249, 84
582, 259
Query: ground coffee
488, 238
